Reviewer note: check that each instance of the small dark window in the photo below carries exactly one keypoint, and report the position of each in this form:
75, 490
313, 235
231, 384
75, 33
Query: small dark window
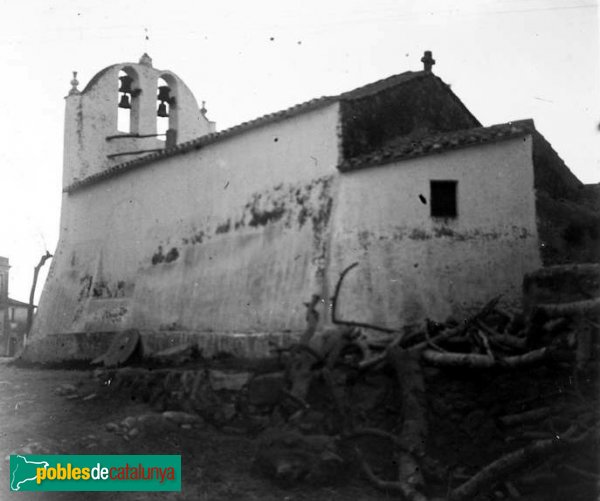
443, 199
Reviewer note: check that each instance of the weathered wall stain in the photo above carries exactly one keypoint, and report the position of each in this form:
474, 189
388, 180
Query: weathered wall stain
419, 234
291, 205
262, 217
223, 228
283, 212
114, 315
159, 257
86, 285
444, 231
101, 289
172, 255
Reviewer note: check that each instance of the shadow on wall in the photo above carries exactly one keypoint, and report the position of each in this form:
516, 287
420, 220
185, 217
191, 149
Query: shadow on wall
569, 231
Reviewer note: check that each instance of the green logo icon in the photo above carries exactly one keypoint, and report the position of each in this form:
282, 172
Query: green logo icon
95, 473
23, 471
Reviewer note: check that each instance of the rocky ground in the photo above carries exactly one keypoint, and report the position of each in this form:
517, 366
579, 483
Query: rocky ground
93, 411
69, 412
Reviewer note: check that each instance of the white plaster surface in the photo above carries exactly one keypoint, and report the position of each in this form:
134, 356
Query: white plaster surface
91, 116
413, 266
252, 278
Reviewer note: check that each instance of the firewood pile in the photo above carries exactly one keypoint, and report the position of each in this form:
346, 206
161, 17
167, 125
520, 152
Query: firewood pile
495, 406
543, 412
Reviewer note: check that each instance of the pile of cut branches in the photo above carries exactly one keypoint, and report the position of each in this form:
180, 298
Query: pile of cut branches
542, 436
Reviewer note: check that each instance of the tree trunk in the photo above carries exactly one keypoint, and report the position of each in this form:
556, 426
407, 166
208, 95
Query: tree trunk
36, 271
476, 361
584, 307
414, 426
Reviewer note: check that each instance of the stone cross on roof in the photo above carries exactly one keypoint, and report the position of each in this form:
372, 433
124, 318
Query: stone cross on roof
427, 61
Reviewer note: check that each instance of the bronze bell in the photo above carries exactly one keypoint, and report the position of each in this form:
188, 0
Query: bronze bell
125, 84
164, 93
124, 102
162, 110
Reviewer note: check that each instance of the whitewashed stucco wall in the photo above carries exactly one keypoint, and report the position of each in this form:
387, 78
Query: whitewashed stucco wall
233, 237
413, 266
248, 216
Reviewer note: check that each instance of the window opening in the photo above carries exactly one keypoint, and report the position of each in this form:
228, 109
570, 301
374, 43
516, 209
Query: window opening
443, 199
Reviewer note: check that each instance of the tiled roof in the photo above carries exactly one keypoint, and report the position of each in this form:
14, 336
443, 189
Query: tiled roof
394, 80
201, 141
385, 83
438, 143
358, 93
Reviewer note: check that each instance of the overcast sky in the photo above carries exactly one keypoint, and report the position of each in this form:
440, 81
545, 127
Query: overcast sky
505, 59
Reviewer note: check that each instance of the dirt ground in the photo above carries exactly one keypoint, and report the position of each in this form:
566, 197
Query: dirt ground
34, 419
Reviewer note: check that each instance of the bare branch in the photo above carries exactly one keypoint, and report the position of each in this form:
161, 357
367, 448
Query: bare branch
334, 301
584, 307
299, 400
587, 475
406, 491
477, 361
384, 485
432, 343
36, 271
376, 432
499, 469
526, 417
461, 329
486, 344
507, 340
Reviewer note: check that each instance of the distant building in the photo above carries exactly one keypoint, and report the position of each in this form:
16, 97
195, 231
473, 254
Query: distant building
4, 317
13, 316
219, 238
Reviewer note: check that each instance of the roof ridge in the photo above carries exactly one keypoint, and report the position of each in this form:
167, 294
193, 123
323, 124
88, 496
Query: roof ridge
382, 84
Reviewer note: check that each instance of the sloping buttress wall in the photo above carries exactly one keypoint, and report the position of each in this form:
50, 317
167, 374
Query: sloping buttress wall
227, 238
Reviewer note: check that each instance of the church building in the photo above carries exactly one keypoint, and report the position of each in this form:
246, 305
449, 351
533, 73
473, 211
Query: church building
187, 234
